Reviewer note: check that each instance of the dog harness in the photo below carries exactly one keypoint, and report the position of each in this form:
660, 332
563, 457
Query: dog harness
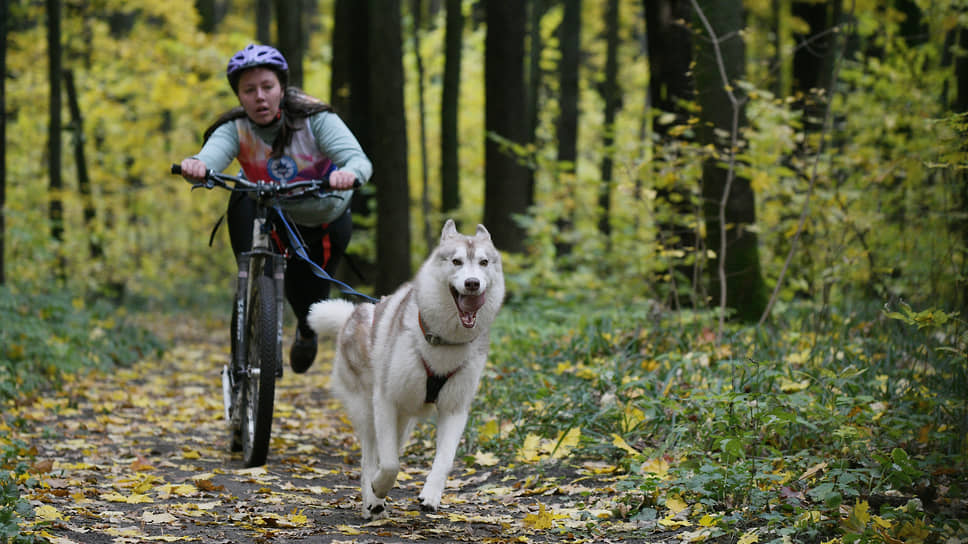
435, 382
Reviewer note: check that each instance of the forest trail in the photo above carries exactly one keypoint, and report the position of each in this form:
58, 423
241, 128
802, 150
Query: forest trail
141, 455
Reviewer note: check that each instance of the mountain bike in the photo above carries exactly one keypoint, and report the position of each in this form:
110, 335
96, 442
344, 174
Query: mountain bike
248, 381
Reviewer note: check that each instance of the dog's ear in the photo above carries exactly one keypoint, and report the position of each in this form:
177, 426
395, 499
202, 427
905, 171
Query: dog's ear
482, 232
449, 229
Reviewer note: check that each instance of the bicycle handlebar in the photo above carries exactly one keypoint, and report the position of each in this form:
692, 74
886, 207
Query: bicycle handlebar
216, 179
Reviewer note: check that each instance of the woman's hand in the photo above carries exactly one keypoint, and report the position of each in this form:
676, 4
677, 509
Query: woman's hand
341, 180
193, 169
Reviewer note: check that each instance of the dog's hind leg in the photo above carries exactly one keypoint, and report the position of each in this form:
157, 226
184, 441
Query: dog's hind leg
373, 506
450, 426
361, 416
388, 450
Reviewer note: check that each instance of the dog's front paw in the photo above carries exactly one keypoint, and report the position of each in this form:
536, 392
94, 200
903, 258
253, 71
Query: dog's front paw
429, 504
375, 510
373, 507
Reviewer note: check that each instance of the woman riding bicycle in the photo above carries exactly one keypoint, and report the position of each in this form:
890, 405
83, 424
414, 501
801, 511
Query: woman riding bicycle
280, 133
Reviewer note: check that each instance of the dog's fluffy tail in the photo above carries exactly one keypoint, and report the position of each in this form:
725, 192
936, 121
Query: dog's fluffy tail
327, 317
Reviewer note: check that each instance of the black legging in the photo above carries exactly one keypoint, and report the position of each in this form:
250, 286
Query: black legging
325, 245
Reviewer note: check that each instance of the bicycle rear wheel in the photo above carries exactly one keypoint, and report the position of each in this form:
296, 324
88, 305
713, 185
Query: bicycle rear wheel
258, 382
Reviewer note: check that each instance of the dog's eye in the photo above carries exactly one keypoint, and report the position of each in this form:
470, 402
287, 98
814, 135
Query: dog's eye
483, 262
457, 262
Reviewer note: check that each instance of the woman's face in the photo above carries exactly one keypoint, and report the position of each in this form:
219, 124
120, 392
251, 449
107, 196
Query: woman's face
260, 94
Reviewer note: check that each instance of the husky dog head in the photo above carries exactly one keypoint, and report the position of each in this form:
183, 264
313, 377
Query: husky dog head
471, 268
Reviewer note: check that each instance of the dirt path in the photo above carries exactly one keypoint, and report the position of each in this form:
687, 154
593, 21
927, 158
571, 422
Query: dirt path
140, 455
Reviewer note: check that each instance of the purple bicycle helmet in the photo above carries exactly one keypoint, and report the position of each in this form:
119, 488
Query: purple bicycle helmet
257, 55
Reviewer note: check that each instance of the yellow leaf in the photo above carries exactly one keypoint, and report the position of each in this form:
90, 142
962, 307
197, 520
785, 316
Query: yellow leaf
164, 517
672, 523
486, 459
488, 430
542, 520
812, 470
567, 443
47, 512
621, 444
347, 530
658, 466
191, 454
675, 505
529, 450
135, 498
789, 386
749, 538
708, 521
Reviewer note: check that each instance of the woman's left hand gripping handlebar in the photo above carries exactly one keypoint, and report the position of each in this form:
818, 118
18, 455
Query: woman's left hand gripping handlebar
193, 169
341, 180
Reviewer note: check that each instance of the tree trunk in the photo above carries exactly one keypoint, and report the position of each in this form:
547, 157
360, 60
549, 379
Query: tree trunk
536, 11
55, 74
206, 14
83, 180
350, 98
449, 111
671, 86
729, 204
961, 106
263, 21
290, 35
506, 177
388, 131
416, 8
612, 96
569, 39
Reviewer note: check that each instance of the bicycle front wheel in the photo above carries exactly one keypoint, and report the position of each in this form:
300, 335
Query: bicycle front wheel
259, 381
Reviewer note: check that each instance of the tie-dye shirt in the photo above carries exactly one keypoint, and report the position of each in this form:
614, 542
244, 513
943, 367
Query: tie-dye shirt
323, 142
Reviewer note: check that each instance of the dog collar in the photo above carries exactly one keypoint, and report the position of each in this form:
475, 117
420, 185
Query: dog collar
433, 339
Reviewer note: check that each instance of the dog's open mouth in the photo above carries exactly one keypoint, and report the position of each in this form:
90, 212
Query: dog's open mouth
467, 306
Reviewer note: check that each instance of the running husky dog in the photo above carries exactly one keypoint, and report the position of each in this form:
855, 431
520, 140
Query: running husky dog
423, 345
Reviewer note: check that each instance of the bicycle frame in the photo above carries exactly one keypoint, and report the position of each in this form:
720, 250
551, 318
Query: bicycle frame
248, 381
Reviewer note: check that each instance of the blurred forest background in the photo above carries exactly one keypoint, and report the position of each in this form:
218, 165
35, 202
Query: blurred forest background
786, 149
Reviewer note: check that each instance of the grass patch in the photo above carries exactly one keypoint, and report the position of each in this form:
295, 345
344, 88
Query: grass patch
46, 336
851, 427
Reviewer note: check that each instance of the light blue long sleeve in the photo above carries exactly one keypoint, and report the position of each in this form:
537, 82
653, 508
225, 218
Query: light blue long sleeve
333, 138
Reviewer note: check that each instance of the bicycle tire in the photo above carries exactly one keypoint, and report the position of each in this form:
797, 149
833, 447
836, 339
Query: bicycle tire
233, 399
258, 387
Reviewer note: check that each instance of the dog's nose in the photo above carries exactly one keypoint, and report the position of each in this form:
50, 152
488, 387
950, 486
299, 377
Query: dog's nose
472, 284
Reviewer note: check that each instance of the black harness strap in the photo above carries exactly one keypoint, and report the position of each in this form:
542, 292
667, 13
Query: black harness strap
435, 382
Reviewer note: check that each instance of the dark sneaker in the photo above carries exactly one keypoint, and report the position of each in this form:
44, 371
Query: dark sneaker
302, 353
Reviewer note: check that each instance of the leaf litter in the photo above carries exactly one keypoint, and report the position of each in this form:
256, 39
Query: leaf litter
141, 455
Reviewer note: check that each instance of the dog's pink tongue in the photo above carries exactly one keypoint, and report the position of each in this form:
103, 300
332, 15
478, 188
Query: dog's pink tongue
470, 303
467, 306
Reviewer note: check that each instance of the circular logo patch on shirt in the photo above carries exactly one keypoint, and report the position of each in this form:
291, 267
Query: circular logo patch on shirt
282, 169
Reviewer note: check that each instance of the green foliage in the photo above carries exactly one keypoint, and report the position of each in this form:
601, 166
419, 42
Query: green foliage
14, 509
49, 335
780, 428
